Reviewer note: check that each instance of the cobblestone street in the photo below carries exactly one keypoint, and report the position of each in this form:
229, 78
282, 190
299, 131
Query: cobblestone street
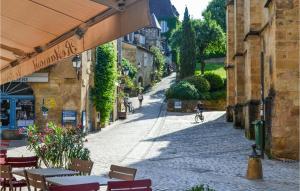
177, 153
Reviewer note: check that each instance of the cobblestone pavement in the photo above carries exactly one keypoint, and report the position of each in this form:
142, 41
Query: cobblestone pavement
177, 153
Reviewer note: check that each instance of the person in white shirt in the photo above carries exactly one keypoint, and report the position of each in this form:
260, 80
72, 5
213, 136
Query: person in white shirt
140, 97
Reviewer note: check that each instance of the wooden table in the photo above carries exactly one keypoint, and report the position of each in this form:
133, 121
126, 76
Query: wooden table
73, 180
47, 172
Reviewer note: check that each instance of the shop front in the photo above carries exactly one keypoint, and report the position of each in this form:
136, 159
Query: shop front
17, 106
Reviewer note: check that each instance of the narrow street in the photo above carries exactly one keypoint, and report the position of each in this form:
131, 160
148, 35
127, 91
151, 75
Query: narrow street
177, 154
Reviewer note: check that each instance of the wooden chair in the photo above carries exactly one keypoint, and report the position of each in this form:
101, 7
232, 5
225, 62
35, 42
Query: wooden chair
135, 185
35, 180
22, 162
82, 166
79, 187
8, 181
122, 173
3, 153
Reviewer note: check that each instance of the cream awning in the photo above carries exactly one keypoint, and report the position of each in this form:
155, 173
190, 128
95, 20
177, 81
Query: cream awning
38, 33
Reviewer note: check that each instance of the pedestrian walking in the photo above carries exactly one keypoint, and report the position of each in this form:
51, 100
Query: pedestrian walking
140, 97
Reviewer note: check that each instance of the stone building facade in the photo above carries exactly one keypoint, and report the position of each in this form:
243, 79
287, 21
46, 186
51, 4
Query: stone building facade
141, 58
263, 71
61, 95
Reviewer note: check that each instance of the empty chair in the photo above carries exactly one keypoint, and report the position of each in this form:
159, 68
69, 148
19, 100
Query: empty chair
3, 153
35, 180
78, 187
122, 173
22, 162
82, 166
135, 185
8, 181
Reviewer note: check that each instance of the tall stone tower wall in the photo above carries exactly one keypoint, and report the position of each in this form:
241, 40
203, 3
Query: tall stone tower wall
263, 62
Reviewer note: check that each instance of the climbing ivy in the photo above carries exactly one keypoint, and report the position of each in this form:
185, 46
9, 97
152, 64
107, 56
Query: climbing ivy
105, 77
159, 60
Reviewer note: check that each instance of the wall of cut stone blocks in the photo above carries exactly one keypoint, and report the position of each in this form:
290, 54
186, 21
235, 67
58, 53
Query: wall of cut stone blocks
270, 30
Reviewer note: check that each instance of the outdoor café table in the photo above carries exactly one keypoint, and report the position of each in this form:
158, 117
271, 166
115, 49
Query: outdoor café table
73, 180
47, 172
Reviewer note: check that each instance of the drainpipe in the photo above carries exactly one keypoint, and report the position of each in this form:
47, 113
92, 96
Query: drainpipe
262, 106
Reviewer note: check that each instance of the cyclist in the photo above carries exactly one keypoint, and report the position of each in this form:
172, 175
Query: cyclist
199, 108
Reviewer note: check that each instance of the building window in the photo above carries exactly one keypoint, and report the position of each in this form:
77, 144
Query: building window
164, 26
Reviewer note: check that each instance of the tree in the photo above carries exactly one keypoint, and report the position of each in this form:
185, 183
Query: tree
210, 38
187, 47
218, 12
105, 77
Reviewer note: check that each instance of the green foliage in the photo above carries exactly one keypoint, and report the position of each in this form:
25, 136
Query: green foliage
56, 146
201, 188
103, 94
172, 23
126, 65
210, 39
217, 95
218, 12
187, 47
159, 61
183, 91
200, 83
215, 81
216, 68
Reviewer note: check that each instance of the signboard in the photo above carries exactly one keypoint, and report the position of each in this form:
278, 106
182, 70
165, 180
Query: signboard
64, 49
177, 104
35, 77
69, 117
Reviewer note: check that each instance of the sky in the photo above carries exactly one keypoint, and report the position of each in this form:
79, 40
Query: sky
195, 7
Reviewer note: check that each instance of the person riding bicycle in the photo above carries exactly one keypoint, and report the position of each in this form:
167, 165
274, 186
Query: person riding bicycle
200, 107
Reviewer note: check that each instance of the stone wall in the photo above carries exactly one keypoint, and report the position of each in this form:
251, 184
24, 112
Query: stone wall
142, 59
266, 57
229, 65
62, 92
188, 106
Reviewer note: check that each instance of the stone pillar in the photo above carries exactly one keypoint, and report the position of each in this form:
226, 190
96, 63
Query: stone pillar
285, 114
252, 26
230, 62
239, 62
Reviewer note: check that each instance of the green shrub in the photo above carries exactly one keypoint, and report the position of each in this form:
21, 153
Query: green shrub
216, 95
200, 83
201, 188
215, 81
183, 91
126, 65
56, 145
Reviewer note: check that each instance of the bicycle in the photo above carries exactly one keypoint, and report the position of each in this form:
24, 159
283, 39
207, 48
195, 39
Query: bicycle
130, 107
199, 116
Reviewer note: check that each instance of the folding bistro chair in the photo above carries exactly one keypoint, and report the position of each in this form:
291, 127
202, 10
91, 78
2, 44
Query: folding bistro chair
8, 181
122, 173
79, 187
82, 166
135, 185
35, 180
22, 162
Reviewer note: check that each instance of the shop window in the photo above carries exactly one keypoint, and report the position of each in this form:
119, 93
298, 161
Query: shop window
24, 113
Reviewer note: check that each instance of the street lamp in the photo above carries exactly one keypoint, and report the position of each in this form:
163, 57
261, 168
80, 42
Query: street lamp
76, 61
